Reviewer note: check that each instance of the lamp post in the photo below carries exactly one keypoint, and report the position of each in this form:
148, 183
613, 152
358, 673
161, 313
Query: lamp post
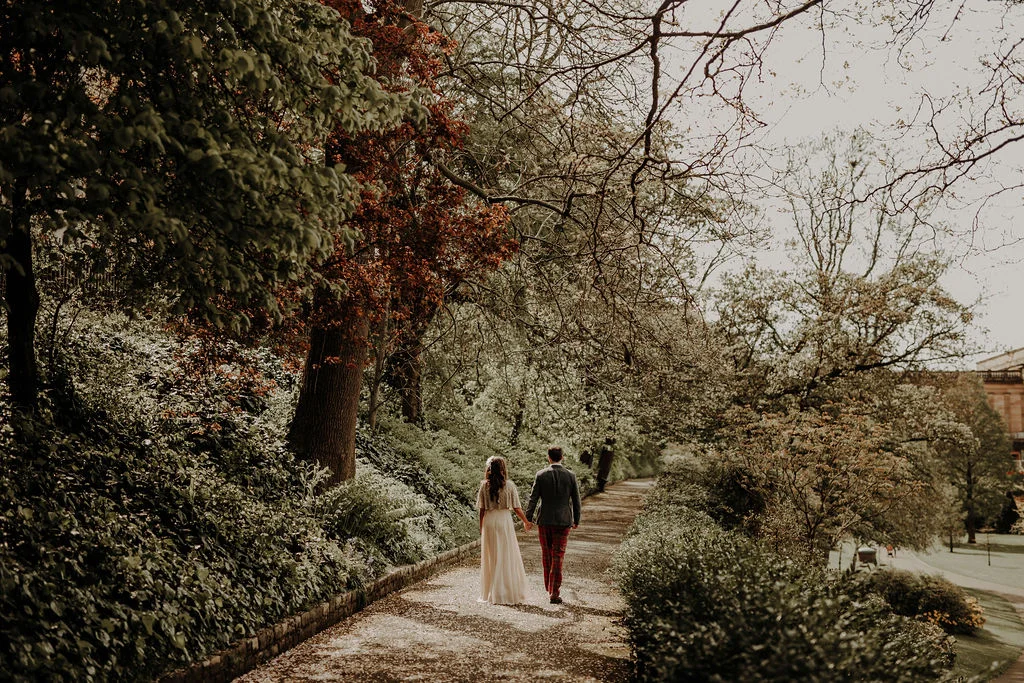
988, 543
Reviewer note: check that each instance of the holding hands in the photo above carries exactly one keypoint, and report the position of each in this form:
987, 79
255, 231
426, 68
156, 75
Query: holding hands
527, 524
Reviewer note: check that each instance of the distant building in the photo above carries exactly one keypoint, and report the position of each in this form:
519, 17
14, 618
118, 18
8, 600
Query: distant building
1003, 377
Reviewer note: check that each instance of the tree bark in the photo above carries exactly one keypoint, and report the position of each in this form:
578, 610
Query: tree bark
520, 417
972, 530
379, 366
324, 426
374, 403
971, 519
22, 303
517, 420
409, 373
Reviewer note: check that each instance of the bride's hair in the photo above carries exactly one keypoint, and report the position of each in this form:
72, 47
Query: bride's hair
496, 475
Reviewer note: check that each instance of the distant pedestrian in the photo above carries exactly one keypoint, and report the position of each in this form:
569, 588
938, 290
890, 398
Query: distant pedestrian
604, 464
558, 494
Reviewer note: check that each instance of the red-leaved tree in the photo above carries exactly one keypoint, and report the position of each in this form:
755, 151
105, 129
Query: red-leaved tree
421, 237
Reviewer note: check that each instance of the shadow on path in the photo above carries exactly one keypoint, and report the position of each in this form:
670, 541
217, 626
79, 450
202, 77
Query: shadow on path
436, 630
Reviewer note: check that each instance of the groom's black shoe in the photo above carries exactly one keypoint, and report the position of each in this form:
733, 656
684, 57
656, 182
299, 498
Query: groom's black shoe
555, 600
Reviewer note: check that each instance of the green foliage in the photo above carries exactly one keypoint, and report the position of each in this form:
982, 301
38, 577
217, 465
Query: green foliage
708, 604
361, 509
176, 143
732, 496
431, 460
122, 555
819, 475
972, 445
453, 453
636, 456
153, 516
928, 597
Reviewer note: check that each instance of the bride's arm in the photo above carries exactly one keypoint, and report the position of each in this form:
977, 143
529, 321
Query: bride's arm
522, 516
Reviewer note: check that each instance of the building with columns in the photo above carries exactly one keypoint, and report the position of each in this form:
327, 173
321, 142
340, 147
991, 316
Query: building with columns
1003, 377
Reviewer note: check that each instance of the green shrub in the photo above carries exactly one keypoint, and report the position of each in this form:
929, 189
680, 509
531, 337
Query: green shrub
928, 597
151, 515
121, 557
150, 518
706, 604
383, 523
734, 499
723, 491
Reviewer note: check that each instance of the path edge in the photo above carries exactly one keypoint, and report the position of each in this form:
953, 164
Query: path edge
246, 654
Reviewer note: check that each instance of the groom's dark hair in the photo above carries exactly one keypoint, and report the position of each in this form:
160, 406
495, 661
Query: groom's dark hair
555, 453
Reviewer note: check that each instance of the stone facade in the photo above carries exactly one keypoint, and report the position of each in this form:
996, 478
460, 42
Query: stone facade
1003, 377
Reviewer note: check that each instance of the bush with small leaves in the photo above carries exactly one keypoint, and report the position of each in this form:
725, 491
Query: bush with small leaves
706, 604
928, 597
147, 519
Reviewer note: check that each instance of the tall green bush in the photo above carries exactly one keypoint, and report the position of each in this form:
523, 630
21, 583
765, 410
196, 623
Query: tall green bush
151, 517
706, 604
121, 556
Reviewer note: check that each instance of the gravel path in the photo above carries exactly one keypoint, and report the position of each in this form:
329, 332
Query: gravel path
437, 631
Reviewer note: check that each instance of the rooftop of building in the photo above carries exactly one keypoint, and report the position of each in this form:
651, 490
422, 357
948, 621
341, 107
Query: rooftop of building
1011, 360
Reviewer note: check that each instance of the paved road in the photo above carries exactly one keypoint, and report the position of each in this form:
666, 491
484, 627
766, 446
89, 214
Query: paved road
1012, 594
437, 631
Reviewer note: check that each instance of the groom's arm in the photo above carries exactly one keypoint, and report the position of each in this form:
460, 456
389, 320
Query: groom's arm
534, 497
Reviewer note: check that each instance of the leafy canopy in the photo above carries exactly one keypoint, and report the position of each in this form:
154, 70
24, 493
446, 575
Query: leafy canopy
181, 142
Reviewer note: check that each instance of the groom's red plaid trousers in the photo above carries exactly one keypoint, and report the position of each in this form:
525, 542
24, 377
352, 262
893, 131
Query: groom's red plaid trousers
552, 546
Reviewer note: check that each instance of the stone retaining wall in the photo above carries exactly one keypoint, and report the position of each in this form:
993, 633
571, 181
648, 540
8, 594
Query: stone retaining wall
248, 653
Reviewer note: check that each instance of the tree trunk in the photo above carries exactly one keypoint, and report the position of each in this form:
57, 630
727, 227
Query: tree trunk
517, 421
409, 373
22, 302
971, 519
374, 405
324, 426
379, 366
520, 416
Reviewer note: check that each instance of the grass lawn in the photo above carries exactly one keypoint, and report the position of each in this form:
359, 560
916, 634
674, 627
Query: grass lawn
972, 560
1001, 641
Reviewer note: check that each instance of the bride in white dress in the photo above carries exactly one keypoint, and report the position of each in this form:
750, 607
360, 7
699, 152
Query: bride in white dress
502, 576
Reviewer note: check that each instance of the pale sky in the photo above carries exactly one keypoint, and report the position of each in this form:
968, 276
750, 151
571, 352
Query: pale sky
862, 83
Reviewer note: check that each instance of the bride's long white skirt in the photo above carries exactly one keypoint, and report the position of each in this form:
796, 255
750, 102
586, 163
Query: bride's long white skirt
502, 576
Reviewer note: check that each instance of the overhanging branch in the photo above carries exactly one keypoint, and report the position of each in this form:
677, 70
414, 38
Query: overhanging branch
492, 197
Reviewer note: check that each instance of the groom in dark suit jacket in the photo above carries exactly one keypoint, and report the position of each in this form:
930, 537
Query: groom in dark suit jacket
559, 496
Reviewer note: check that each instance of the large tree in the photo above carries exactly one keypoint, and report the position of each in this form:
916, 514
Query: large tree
618, 192
419, 237
863, 292
973, 448
179, 143
839, 439
833, 472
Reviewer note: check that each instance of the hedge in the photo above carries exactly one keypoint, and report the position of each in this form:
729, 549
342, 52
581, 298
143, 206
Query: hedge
706, 604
